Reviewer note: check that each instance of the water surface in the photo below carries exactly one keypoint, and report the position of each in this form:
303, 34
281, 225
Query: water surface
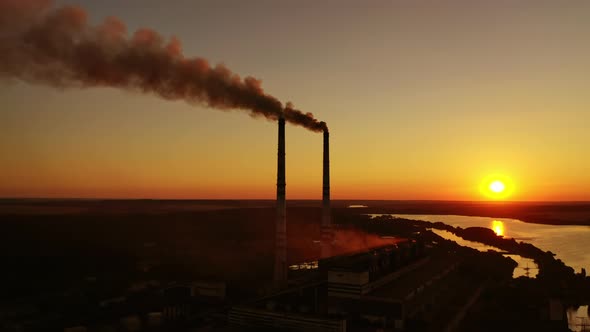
571, 244
526, 266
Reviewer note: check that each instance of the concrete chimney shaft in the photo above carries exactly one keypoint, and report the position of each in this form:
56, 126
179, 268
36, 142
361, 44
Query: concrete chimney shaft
280, 269
326, 227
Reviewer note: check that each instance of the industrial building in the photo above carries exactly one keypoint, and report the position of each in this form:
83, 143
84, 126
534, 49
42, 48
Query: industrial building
376, 289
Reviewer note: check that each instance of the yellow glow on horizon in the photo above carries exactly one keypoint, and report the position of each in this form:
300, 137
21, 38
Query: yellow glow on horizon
498, 227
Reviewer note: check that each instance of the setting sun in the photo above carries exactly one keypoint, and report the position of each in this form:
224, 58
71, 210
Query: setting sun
497, 186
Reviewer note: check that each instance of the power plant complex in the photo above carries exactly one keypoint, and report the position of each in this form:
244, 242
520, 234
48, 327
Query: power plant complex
377, 288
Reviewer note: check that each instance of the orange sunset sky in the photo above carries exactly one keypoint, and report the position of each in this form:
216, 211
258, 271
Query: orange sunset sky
424, 100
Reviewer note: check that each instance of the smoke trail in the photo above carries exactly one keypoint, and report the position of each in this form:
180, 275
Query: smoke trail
355, 240
58, 47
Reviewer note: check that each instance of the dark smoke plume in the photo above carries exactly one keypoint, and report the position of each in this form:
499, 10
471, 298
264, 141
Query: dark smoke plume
56, 46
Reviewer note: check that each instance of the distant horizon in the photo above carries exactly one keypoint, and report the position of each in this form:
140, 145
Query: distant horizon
290, 199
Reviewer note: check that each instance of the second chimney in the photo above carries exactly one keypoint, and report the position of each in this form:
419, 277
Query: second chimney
326, 227
280, 268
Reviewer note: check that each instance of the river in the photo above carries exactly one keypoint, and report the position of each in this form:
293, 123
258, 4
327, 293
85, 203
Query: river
571, 244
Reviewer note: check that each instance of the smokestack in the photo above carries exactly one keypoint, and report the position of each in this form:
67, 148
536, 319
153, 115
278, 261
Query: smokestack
326, 228
280, 273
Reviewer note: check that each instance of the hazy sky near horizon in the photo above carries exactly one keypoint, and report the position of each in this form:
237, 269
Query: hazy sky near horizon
424, 99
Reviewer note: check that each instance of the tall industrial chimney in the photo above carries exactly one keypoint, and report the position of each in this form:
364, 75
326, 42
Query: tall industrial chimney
280, 271
326, 228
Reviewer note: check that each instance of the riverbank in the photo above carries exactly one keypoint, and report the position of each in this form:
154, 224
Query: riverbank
547, 213
556, 277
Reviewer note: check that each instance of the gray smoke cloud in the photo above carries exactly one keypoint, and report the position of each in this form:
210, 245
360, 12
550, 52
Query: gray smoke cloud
56, 46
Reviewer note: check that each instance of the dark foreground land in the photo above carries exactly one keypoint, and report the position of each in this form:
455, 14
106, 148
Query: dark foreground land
69, 263
554, 213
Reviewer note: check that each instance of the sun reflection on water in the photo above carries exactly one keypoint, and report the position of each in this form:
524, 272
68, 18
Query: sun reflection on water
498, 227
